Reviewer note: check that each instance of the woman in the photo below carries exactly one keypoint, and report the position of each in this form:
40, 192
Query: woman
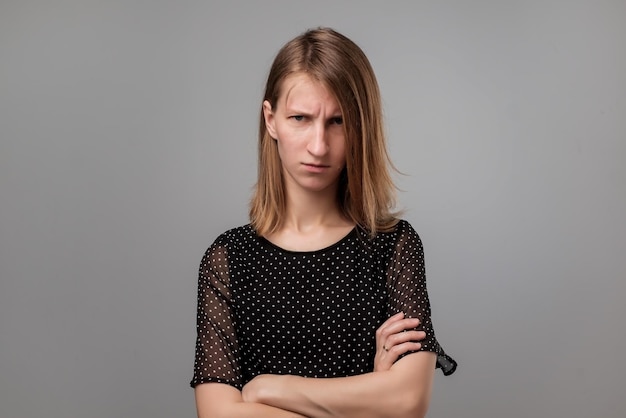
318, 307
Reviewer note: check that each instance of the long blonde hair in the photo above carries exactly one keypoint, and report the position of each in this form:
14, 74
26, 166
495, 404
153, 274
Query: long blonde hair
366, 192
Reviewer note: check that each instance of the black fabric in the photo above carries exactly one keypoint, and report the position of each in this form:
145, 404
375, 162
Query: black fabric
263, 309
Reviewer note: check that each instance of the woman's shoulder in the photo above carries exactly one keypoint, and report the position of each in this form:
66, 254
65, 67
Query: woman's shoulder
238, 232
401, 228
400, 234
233, 238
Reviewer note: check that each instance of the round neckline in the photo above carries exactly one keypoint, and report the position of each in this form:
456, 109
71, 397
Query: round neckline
346, 237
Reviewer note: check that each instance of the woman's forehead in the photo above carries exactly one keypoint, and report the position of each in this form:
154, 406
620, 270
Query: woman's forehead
303, 90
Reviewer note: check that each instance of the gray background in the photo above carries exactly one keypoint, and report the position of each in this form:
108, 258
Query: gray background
128, 142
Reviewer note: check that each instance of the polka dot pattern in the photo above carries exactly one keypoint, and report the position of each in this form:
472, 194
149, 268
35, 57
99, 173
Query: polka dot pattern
263, 309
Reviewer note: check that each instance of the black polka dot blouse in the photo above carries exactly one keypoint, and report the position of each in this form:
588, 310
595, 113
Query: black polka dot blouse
263, 309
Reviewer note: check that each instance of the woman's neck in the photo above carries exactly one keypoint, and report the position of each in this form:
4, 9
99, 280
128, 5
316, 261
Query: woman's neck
306, 210
312, 221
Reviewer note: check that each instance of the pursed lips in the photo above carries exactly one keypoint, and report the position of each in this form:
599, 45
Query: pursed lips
315, 168
316, 165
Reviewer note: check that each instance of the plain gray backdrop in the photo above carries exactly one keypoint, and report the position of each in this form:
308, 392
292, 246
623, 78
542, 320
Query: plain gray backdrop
128, 143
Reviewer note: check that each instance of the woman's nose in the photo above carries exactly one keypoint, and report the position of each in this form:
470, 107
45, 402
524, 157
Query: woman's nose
318, 144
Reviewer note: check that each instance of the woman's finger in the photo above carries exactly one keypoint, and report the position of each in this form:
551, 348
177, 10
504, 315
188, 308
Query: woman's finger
402, 337
386, 359
398, 326
394, 318
399, 349
385, 325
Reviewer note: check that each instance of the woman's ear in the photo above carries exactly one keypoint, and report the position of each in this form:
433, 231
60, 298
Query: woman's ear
270, 121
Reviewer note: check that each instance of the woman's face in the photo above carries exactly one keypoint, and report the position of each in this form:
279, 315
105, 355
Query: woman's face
306, 123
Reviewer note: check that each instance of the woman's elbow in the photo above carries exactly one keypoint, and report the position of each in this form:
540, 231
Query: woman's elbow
413, 406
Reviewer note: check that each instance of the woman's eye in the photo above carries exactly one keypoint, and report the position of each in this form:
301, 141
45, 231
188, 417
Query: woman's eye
337, 120
298, 118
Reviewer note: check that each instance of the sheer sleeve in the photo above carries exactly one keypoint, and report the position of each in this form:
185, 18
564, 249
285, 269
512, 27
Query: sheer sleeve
217, 350
406, 283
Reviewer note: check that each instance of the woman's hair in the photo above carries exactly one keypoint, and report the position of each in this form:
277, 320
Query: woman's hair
366, 193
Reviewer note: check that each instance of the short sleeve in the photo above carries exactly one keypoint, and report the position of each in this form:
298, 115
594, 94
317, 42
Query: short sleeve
217, 350
406, 284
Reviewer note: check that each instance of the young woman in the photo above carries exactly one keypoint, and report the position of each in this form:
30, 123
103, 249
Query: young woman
318, 307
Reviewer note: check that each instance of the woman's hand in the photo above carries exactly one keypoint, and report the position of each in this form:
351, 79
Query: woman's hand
395, 337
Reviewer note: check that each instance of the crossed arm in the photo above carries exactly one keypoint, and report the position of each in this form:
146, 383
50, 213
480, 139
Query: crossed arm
399, 388
402, 391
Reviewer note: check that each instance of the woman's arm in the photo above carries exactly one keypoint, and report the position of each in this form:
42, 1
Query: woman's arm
393, 338
217, 347
218, 400
402, 391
